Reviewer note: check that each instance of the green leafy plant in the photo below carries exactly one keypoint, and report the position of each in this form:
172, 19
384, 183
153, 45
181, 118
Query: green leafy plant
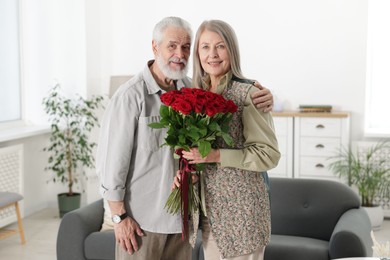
70, 149
365, 170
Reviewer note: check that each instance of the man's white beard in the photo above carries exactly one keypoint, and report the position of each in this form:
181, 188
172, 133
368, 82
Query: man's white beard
168, 72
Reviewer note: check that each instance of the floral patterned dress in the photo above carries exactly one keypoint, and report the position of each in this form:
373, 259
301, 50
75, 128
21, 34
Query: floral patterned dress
237, 201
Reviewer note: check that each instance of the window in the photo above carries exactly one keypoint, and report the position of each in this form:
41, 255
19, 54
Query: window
377, 123
10, 101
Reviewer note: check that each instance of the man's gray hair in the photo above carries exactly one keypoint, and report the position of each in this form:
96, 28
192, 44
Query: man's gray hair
170, 21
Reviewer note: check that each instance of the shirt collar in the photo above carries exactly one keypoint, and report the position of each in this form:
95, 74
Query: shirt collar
151, 83
222, 83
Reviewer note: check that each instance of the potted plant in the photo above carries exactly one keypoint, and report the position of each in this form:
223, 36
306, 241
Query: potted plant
70, 150
367, 171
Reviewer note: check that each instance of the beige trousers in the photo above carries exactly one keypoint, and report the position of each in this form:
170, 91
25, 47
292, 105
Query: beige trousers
157, 246
211, 251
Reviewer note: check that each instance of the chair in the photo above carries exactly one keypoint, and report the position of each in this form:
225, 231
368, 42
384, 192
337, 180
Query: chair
7, 200
116, 82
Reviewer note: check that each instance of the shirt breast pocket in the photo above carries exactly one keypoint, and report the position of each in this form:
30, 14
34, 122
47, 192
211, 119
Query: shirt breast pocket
150, 139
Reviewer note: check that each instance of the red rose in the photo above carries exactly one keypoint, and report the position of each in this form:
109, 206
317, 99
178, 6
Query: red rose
182, 106
190, 98
198, 91
218, 105
211, 111
199, 104
197, 100
201, 97
168, 97
186, 91
210, 96
214, 107
231, 107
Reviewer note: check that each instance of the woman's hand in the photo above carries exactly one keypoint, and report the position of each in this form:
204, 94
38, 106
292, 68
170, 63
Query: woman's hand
176, 180
194, 157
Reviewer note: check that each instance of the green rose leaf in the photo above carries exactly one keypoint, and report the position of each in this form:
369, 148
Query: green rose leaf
202, 131
156, 125
225, 128
204, 148
204, 121
164, 121
171, 140
194, 134
182, 139
227, 138
214, 126
164, 111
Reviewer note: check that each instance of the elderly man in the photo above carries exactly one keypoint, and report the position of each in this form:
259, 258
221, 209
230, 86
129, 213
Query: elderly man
135, 172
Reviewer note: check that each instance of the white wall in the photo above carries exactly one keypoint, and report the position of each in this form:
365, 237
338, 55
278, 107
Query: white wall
305, 51
53, 50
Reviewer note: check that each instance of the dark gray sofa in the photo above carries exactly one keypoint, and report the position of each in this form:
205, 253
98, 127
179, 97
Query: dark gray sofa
311, 220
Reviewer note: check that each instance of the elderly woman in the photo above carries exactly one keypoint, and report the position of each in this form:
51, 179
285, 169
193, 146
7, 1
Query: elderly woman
237, 222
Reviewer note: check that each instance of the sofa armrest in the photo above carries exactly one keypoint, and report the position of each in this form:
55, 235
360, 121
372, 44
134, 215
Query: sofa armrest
351, 236
75, 227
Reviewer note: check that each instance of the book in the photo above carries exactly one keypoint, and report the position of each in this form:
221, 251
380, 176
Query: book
315, 108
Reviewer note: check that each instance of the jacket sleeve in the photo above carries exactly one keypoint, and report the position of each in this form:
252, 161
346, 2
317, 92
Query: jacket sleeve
260, 152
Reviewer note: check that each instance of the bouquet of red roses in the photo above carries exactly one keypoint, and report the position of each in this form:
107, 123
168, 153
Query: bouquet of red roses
194, 118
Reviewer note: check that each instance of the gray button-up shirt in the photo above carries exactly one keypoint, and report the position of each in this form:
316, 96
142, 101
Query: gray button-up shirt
130, 163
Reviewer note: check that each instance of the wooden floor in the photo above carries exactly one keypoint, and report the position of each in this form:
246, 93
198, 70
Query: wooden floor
41, 234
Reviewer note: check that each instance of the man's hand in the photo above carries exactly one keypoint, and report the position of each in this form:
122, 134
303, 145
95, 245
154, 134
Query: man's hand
262, 98
126, 230
125, 234
176, 180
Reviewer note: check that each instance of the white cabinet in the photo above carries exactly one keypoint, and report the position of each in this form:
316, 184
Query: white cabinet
307, 140
284, 133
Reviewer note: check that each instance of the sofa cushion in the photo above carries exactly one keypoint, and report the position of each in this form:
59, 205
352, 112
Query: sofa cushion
100, 245
292, 247
309, 208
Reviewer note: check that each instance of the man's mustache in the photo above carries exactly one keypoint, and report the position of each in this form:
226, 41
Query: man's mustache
178, 60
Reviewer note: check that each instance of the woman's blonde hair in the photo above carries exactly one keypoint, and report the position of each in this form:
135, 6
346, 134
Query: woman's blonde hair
228, 35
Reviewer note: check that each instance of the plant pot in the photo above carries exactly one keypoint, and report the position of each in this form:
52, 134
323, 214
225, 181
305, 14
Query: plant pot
376, 216
68, 203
